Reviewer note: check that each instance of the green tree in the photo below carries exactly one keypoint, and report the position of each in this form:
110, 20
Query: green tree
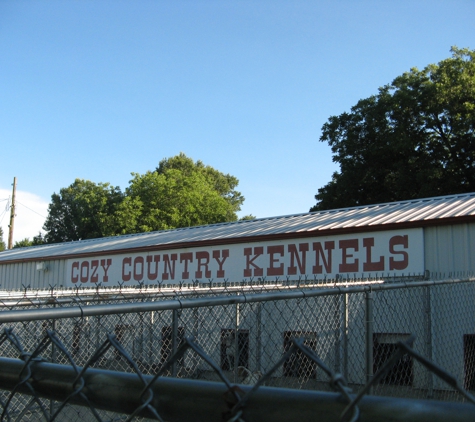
179, 193
248, 217
3, 246
183, 193
414, 139
24, 243
38, 239
83, 210
223, 184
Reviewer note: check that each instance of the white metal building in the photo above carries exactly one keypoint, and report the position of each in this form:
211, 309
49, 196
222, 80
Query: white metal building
407, 238
435, 235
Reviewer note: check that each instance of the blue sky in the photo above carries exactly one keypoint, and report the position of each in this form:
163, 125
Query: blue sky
99, 89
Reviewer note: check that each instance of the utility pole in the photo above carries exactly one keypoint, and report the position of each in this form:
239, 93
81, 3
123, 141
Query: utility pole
12, 217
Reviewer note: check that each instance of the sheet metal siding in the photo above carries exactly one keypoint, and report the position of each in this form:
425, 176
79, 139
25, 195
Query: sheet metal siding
448, 333
17, 276
450, 249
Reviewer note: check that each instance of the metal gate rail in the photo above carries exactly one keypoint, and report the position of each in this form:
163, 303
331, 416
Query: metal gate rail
171, 399
183, 303
193, 400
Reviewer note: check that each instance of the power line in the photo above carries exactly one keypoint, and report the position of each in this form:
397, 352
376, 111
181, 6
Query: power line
7, 207
3, 215
30, 209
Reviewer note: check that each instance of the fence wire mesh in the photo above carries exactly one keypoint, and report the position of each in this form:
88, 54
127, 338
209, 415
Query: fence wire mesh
337, 336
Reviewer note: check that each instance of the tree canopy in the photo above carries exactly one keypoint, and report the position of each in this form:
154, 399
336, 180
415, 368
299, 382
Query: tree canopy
181, 193
222, 184
26, 242
83, 210
178, 193
3, 246
414, 139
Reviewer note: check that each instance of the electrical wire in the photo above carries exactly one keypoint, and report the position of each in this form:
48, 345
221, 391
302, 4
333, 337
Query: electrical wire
7, 207
30, 209
2, 216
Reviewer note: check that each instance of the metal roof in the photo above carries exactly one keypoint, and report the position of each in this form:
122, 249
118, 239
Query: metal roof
387, 216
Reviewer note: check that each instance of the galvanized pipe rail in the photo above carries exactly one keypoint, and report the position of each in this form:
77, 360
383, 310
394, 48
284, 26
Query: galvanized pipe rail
200, 401
60, 297
79, 311
63, 297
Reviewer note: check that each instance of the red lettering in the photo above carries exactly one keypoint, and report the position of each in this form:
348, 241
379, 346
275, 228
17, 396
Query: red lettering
169, 262
105, 264
327, 261
84, 276
94, 267
126, 276
203, 261
301, 259
186, 258
216, 254
152, 275
368, 243
272, 251
345, 266
138, 263
248, 272
404, 262
75, 277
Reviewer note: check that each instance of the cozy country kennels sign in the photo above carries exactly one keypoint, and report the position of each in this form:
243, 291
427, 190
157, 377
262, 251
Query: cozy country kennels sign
395, 252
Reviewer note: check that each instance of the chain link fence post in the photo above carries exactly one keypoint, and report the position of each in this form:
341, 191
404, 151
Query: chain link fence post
259, 337
369, 302
174, 339
236, 344
428, 338
53, 359
341, 334
337, 367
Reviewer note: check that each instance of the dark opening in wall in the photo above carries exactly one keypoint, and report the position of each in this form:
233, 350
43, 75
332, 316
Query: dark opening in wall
76, 339
469, 360
384, 346
228, 348
299, 365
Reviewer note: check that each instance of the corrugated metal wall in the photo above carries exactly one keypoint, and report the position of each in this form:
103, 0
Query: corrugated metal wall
450, 249
15, 276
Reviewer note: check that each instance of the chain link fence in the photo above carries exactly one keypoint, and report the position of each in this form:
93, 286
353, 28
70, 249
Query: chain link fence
398, 339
